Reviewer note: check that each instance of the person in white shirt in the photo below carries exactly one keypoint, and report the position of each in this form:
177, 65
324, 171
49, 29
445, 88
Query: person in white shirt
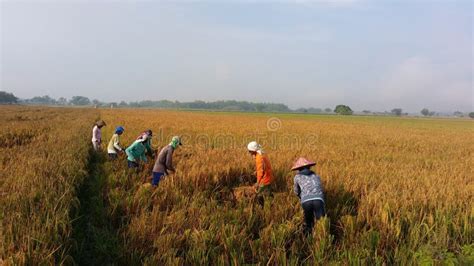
97, 134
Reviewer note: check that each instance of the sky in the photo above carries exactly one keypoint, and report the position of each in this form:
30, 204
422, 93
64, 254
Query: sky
370, 55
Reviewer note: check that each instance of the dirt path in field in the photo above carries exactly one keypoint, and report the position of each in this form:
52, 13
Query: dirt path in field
96, 238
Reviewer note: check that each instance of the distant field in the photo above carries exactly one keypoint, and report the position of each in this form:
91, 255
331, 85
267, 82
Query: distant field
398, 190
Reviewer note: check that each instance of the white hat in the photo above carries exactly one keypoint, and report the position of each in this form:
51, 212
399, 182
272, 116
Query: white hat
253, 146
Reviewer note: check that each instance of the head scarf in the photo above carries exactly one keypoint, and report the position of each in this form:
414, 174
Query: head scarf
254, 146
175, 141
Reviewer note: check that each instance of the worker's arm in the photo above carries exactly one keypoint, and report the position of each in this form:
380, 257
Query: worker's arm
117, 144
260, 168
148, 147
297, 188
169, 160
143, 155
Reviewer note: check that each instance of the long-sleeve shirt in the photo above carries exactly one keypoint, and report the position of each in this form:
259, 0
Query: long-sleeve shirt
114, 144
308, 186
148, 148
164, 162
264, 170
136, 152
96, 134
147, 142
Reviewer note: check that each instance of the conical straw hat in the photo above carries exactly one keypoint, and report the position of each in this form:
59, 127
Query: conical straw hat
302, 162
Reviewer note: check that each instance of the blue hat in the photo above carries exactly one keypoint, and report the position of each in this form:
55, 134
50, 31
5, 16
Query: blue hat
119, 129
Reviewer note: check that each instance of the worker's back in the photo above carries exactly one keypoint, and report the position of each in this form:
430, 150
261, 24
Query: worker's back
164, 160
308, 186
264, 169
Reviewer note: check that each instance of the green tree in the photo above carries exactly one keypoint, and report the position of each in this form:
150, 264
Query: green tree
62, 101
343, 110
42, 100
259, 107
96, 102
397, 111
471, 114
425, 112
80, 100
7, 98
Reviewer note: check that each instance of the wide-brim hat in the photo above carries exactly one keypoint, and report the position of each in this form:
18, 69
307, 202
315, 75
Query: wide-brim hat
302, 162
101, 123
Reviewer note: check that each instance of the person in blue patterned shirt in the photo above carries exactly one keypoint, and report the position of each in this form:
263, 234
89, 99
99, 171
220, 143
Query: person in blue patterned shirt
309, 189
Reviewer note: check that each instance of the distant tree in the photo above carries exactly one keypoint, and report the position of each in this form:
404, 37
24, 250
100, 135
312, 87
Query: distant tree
7, 98
42, 100
79, 100
122, 104
397, 111
62, 101
328, 110
471, 114
343, 110
425, 112
96, 102
366, 112
259, 107
310, 110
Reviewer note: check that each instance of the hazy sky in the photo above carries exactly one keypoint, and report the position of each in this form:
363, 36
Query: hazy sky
373, 55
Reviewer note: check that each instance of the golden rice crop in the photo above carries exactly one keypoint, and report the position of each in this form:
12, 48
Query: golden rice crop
398, 190
43, 155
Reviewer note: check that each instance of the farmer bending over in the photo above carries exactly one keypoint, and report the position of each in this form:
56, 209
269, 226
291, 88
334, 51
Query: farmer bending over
164, 161
136, 153
308, 187
264, 171
147, 135
114, 143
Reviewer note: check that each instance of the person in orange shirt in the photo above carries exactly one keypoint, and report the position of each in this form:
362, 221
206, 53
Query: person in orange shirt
264, 171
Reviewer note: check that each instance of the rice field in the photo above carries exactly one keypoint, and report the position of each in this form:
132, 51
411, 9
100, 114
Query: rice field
398, 190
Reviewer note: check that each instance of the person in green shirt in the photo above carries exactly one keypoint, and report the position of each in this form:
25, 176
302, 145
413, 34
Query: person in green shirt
136, 153
147, 136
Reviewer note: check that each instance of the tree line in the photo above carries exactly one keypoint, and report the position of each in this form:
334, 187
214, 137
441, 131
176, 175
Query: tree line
225, 105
